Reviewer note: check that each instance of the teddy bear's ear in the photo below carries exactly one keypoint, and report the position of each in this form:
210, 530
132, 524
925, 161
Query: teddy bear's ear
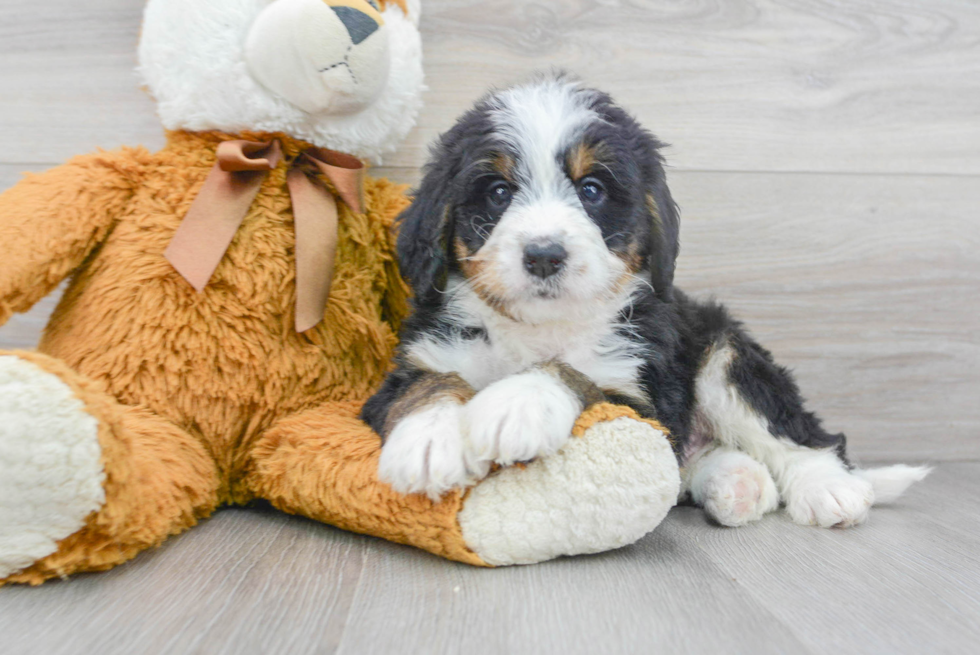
425, 233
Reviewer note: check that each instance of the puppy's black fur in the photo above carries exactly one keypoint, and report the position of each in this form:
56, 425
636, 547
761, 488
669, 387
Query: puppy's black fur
641, 218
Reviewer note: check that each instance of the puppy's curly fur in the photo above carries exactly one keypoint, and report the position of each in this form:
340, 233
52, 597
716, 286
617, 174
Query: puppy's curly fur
541, 248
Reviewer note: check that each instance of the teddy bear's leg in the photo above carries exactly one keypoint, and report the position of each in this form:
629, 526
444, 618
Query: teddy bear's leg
604, 489
85, 482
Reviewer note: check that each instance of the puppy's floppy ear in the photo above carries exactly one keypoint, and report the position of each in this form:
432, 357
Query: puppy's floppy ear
665, 223
425, 233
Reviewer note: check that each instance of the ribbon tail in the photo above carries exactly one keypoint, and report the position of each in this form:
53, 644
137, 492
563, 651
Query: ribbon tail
315, 216
211, 222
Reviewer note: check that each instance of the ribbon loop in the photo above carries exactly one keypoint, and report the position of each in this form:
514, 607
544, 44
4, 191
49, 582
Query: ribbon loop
221, 205
240, 155
345, 172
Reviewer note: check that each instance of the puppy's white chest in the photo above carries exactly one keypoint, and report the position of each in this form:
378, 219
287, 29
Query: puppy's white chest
598, 351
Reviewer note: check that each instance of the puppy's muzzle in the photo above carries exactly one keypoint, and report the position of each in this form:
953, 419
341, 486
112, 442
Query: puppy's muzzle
544, 259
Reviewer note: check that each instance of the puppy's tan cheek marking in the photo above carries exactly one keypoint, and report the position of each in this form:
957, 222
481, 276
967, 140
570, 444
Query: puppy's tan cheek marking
582, 387
430, 389
463, 255
630, 256
484, 282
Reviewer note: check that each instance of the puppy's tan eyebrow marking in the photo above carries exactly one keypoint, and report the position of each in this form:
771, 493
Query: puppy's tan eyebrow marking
503, 164
583, 159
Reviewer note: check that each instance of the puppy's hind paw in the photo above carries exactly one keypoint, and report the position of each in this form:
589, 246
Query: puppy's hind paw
838, 501
733, 488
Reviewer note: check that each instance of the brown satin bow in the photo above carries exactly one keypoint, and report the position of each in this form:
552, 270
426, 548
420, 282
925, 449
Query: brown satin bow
220, 207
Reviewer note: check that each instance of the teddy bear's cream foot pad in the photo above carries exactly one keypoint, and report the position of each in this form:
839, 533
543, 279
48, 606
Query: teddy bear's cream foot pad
51, 476
603, 490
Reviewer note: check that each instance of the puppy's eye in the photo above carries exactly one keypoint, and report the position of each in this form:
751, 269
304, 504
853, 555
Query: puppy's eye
591, 191
499, 195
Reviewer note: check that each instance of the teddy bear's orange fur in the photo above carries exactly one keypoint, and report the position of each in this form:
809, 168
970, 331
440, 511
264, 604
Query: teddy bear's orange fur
211, 398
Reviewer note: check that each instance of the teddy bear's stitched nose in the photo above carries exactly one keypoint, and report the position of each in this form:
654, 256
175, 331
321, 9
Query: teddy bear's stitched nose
359, 25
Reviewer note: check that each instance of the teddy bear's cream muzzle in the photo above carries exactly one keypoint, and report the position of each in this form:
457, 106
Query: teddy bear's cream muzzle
324, 56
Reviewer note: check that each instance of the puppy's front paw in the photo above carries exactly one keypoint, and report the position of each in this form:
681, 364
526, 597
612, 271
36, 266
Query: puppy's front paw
424, 453
519, 418
837, 500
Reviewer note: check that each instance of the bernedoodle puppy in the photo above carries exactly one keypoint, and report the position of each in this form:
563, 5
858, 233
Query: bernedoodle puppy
541, 248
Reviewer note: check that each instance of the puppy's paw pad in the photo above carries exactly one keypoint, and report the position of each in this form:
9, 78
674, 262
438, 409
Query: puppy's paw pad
424, 453
520, 418
840, 501
739, 494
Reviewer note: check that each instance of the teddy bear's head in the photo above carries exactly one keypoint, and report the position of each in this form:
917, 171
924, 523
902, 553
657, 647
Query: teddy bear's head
341, 74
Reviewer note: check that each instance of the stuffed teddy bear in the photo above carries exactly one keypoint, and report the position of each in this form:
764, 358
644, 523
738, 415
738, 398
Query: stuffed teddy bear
234, 298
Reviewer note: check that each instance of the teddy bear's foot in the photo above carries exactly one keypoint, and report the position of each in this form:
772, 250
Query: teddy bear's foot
606, 488
85, 482
51, 475
601, 491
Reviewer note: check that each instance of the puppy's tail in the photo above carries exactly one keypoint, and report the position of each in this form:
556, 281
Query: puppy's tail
890, 482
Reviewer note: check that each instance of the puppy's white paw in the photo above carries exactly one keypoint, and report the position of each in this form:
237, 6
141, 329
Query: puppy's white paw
519, 418
830, 499
424, 453
733, 488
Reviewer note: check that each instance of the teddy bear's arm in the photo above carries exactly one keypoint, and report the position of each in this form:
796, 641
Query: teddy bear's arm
50, 222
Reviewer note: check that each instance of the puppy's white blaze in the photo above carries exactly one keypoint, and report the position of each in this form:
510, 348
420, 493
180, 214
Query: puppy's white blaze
590, 270
519, 418
732, 487
424, 453
815, 485
587, 340
540, 120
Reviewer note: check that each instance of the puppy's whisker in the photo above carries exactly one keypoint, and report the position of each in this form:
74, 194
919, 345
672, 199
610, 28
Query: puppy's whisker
611, 172
481, 231
483, 163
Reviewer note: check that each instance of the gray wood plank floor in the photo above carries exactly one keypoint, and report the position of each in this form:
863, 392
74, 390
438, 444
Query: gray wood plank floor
256, 581
825, 157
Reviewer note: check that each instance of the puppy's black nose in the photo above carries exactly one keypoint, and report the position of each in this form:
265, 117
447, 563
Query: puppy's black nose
544, 260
